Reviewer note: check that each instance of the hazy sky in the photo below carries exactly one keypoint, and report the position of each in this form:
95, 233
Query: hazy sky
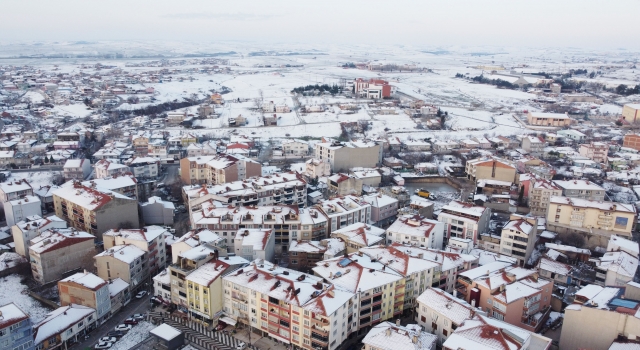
576, 23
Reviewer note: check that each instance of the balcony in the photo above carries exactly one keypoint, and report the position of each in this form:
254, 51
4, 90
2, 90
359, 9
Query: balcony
365, 302
399, 286
320, 322
320, 331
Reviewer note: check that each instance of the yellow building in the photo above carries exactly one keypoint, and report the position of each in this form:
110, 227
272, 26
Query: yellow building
631, 112
490, 169
549, 119
605, 218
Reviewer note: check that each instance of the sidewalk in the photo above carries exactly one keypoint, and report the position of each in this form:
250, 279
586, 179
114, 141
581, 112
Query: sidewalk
259, 342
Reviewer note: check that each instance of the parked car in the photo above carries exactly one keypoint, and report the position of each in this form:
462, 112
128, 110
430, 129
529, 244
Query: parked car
103, 345
131, 321
108, 340
123, 327
138, 317
116, 334
141, 294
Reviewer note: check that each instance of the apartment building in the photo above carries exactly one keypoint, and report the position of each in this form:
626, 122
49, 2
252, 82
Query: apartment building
144, 167
540, 191
289, 306
127, 262
596, 151
106, 168
119, 294
598, 316
15, 328
76, 169
476, 331
187, 262
391, 336
384, 209
125, 184
31, 227
13, 190
194, 238
631, 112
157, 212
343, 211
218, 169
518, 238
57, 251
440, 313
303, 255
464, 220
204, 288
295, 148
19, 209
283, 221
583, 189
604, 218
63, 327
140, 145
359, 235
94, 210
343, 184
255, 243
316, 168
151, 239
418, 231
490, 169
87, 289
548, 119
631, 141
534, 145
511, 294
615, 268
343, 156
162, 286
372, 88
280, 188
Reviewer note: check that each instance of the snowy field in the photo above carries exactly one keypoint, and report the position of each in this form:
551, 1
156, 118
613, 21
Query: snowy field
12, 291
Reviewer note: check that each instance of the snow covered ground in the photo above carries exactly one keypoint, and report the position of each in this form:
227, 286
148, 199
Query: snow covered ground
13, 291
137, 334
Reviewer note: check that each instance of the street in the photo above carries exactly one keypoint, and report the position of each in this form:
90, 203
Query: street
136, 306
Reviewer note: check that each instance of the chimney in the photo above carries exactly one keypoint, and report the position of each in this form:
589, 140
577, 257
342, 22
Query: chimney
414, 339
398, 322
388, 332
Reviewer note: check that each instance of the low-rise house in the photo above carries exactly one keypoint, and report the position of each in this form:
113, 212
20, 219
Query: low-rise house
254, 244
64, 326
295, 148
14, 190
391, 336
417, 231
555, 271
58, 251
76, 169
87, 289
15, 328
571, 134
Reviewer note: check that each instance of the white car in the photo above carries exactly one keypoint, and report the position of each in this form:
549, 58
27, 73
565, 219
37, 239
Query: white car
103, 345
123, 327
141, 294
107, 340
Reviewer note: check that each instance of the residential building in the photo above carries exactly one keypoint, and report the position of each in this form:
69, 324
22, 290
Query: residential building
596, 151
162, 286
474, 333
464, 220
343, 184
346, 155
218, 169
205, 290
440, 313
126, 184
255, 243
343, 211
391, 336
384, 209
518, 238
19, 209
417, 230
511, 294
14, 190
15, 328
157, 212
87, 289
291, 307
187, 262
595, 217
631, 141
555, 271
490, 169
615, 268
57, 251
372, 88
140, 145
106, 168
94, 210
119, 294
598, 316
127, 262
534, 145
64, 326
31, 227
317, 168
76, 169
548, 119
195, 238
583, 189
151, 239
540, 191
631, 112
280, 188
144, 167
370, 177
303, 255
359, 235
295, 148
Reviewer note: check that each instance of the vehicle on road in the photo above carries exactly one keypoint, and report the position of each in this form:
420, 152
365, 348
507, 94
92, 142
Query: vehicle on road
108, 340
138, 317
116, 334
103, 345
131, 321
141, 294
123, 327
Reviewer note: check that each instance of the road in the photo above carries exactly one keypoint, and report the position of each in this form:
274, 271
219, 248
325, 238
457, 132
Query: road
136, 306
39, 168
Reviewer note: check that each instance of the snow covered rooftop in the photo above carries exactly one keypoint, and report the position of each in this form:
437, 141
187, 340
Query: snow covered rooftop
207, 273
116, 286
15, 186
356, 271
126, 253
329, 247
389, 336
584, 203
578, 185
53, 239
360, 233
60, 320
519, 225
11, 314
145, 234
554, 266
86, 279
456, 310
165, 332
256, 238
416, 225
86, 197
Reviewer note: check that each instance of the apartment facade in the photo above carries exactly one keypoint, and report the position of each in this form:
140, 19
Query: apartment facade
316, 168
15, 330
305, 254
384, 209
440, 313
631, 112
548, 119
151, 239
127, 262
57, 251
518, 238
85, 288
106, 168
218, 169
581, 214
31, 227
253, 244
347, 155
343, 211
631, 141
596, 151
540, 191
583, 189
63, 327
295, 148
464, 220
418, 231
76, 169
490, 169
